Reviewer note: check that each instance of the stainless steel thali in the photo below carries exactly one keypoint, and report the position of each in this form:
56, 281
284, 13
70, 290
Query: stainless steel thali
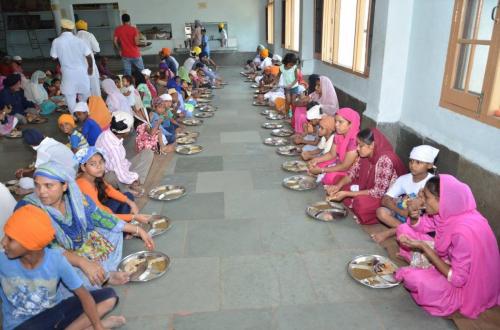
189, 149
270, 125
157, 225
188, 133
204, 114
203, 100
257, 104
207, 108
283, 132
167, 192
300, 182
289, 150
14, 135
267, 112
326, 211
294, 166
192, 121
185, 140
145, 266
373, 271
276, 141
277, 116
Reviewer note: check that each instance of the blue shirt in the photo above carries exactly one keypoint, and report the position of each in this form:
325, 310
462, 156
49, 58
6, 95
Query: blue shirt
205, 42
77, 140
91, 131
17, 100
171, 64
28, 292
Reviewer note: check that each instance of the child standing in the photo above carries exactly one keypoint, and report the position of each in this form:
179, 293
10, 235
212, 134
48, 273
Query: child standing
394, 210
30, 274
76, 139
90, 128
289, 71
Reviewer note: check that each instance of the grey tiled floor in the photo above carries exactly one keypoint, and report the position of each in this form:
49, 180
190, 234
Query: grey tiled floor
244, 255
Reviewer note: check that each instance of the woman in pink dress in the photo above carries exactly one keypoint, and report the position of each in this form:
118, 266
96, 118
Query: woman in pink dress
343, 154
464, 271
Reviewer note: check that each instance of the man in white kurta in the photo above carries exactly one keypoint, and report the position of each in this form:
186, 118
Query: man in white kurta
91, 41
75, 58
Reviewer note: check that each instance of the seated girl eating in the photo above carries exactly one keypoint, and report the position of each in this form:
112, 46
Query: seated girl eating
91, 183
323, 155
459, 269
68, 126
394, 209
31, 273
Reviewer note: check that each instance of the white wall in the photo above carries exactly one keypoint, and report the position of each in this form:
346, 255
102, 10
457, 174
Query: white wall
245, 19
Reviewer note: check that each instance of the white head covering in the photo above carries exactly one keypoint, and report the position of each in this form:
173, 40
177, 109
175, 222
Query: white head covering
424, 153
35, 92
277, 58
314, 113
17, 58
146, 72
166, 97
81, 107
127, 118
67, 24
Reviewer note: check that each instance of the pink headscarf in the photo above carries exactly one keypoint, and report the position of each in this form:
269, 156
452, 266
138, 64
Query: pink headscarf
328, 100
343, 141
458, 218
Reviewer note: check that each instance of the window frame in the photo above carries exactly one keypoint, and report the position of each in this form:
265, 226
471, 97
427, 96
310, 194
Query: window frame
472, 105
270, 22
295, 26
283, 22
332, 7
316, 54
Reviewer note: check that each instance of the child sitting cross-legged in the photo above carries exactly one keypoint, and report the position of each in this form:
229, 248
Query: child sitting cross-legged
30, 276
394, 209
68, 126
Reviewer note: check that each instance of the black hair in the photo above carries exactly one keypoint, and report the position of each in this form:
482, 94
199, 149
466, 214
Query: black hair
290, 58
249, 61
118, 125
199, 65
128, 78
433, 185
55, 80
138, 77
125, 18
366, 136
311, 104
312, 83
99, 184
203, 30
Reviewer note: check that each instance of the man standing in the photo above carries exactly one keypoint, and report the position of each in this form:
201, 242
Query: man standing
196, 39
126, 40
91, 41
75, 58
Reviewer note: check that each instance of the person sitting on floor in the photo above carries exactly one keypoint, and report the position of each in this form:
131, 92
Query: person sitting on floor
324, 93
169, 60
458, 269
120, 172
394, 209
114, 98
13, 95
90, 129
37, 93
91, 183
103, 68
99, 112
308, 137
8, 122
368, 179
147, 77
142, 87
134, 99
68, 126
162, 119
47, 149
31, 273
92, 239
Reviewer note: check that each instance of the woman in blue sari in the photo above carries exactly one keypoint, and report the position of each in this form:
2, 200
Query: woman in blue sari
92, 239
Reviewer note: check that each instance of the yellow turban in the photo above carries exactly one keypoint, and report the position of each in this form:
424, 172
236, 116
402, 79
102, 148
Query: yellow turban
81, 25
66, 119
264, 53
67, 24
221, 25
31, 227
196, 50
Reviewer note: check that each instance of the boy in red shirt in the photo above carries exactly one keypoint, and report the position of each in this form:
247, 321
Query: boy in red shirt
126, 40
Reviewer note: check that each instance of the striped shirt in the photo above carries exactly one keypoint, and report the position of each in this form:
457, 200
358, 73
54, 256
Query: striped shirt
77, 140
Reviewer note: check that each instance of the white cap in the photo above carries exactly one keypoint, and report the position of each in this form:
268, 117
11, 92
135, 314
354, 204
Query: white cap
26, 183
424, 153
146, 72
17, 58
166, 97
81, 107
314, 113
277, 58
125, 117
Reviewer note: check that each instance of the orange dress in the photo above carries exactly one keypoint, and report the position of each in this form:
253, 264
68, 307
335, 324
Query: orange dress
99, 112
90, 190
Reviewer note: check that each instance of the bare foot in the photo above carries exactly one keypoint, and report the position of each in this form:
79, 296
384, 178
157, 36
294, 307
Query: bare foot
382, 236
113, 321
118, 278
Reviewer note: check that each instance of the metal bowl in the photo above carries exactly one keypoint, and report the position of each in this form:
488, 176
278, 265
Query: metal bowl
270, 125
300, 182
289, 150
373, 270
276, 141
284, 132
157, 225
192, 121
204, 114
144, 266
167, 192
277, 116
326, 211
189, 149
294, 166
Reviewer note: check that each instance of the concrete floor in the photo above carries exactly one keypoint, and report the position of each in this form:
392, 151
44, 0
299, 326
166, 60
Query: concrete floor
244, 254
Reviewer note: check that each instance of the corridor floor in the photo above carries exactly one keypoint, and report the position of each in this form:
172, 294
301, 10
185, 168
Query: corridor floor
244, 254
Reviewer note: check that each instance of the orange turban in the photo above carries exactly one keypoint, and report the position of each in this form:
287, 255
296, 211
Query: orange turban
99, 112
166, 51
279, 103
66, 119
31, 227
264, 53
328, 122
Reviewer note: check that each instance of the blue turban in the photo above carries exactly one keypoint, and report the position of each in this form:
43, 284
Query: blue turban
32, 136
